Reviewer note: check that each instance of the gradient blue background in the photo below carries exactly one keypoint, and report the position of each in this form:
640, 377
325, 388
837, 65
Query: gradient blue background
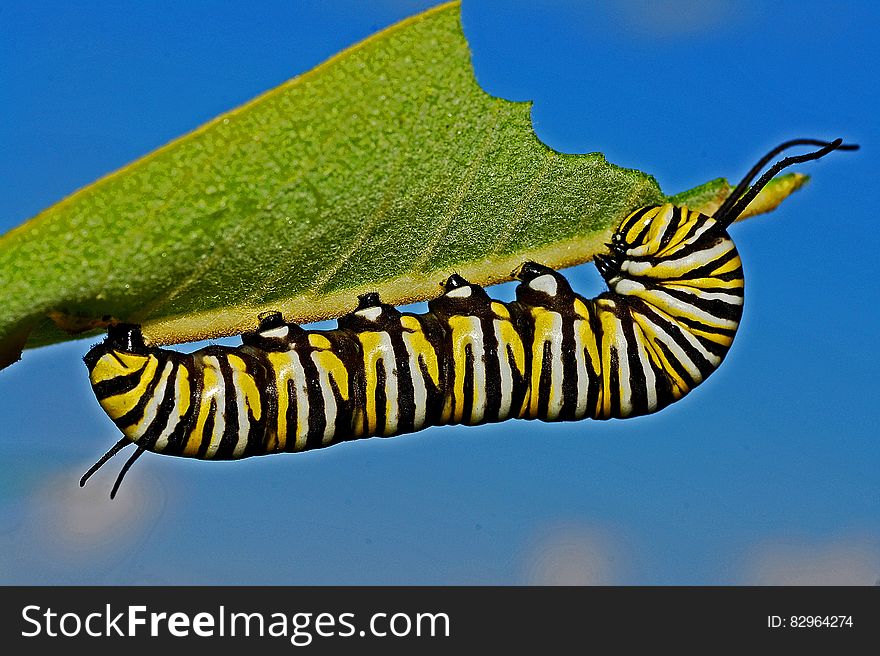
768, 473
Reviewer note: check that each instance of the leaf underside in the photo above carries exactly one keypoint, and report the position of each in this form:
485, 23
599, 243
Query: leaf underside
385, 168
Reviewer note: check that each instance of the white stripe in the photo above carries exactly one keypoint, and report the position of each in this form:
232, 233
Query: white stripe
554, 404
623, 364
506, 373
301, 390
478, 351
279, 332
219, 395
244, 424
152, 407
371, 313
459, 292
545, 283
386, 348
667, 268
583, 376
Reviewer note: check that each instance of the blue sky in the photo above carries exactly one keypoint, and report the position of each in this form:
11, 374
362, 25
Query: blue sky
768, 473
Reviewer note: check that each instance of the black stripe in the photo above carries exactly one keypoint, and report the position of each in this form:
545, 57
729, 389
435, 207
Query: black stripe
713, 347
434, 399
614, 382
405, 390
291, 416
638, 381
662, 383
545, 380
317, 419
733, 291
436, 334
342, 426
467, 406
704, 242
351, 352
492, 368
381, 397
677, 366
631, 221
594, 400
570, 382
519, 319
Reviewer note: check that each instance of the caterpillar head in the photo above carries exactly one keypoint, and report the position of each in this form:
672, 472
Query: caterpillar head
653, 234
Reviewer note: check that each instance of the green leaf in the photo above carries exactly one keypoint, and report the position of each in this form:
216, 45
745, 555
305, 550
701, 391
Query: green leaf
385, 168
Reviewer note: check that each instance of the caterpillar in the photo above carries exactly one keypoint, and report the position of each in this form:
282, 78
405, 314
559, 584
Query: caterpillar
669, 317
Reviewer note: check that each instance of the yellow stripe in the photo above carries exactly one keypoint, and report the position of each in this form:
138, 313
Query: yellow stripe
282, 371
461, 338
120, 404
246, 385
109, 366
734, 264
544, 329
319, 341
422, 348
507, 336
183, 391
467, 331
500, 310
373, 354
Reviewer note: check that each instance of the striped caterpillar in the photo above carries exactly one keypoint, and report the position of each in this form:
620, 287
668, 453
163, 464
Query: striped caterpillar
671, 313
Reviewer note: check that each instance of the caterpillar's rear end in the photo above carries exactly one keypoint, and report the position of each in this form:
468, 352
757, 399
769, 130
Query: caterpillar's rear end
209, 404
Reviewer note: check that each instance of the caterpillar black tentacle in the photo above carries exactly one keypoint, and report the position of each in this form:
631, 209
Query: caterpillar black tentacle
665, 324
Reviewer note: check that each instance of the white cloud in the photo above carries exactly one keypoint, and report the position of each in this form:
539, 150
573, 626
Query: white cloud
68, 534
852, 561
672, 18
572, 554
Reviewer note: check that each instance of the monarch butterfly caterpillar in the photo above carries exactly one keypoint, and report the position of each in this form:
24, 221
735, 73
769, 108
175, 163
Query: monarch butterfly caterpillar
673, 307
